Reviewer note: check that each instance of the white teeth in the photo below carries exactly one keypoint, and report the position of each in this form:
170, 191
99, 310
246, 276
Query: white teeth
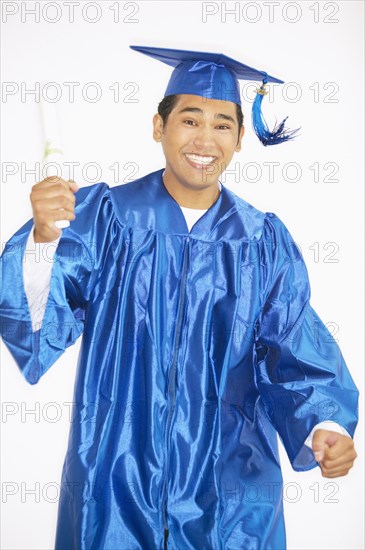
201, 160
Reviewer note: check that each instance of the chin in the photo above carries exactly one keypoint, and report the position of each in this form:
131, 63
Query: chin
201, 179
201, 184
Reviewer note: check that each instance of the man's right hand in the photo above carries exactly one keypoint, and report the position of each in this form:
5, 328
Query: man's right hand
47, 198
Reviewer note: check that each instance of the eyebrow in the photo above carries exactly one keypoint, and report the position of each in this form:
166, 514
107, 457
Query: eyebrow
200, 112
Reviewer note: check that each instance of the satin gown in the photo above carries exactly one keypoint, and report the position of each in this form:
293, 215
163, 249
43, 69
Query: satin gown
197, 350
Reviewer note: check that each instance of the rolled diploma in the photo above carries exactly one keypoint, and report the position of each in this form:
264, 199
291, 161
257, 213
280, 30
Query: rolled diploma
52, 149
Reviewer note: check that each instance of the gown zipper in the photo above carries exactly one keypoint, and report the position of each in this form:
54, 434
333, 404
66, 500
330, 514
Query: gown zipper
172, 378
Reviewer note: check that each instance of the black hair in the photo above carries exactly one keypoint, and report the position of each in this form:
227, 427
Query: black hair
168, 103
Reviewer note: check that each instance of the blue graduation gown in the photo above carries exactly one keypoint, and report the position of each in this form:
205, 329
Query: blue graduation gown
197, 349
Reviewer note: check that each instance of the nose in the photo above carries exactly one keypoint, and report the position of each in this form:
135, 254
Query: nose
204, 138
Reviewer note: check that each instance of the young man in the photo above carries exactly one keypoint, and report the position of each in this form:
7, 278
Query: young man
199, 341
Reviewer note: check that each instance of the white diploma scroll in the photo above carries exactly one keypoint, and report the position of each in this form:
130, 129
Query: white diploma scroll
52, 157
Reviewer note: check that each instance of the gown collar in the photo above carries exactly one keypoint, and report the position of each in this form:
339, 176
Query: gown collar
170, 218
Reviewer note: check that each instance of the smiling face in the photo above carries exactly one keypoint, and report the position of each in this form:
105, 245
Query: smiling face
199, 140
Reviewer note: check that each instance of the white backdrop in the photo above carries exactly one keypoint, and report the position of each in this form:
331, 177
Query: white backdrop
316, 188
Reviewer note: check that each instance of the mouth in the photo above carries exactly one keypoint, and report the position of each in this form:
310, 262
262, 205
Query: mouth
200, 161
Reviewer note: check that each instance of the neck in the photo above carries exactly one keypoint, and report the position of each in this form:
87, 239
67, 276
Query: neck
189, 196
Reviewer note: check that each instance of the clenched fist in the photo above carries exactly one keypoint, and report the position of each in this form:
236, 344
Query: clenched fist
334, 452
52, 199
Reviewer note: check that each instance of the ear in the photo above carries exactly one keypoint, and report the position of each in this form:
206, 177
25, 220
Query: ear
239, 142
157, 127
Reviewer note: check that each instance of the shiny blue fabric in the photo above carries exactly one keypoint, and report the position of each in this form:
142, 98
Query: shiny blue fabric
206, 79
196, 350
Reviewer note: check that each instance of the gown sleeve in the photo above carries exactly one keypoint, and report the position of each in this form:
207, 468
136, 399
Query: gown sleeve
75, 270
300, 371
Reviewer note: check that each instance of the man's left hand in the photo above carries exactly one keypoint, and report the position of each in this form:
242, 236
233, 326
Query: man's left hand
334, 452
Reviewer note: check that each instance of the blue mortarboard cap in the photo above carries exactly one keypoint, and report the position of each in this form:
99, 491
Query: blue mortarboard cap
211, 75
215, 76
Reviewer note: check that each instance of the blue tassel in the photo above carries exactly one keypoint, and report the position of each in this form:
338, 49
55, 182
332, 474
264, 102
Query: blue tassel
279, 134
